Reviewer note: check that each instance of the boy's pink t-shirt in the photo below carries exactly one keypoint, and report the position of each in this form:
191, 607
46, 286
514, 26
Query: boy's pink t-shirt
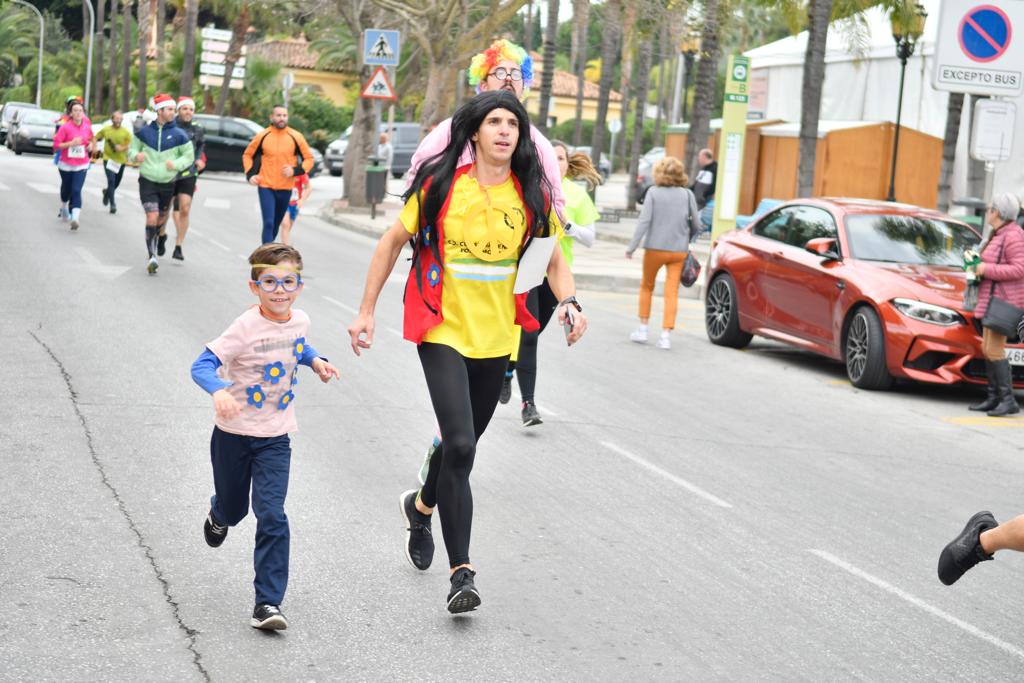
260, 357
437, 139
78, 155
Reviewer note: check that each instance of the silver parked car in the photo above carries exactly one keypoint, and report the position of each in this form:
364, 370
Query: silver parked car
32, 130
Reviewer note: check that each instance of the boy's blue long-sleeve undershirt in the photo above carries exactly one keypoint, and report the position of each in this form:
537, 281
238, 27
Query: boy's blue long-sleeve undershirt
204, 369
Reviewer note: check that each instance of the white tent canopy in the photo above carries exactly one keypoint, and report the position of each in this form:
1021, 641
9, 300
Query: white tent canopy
862, 76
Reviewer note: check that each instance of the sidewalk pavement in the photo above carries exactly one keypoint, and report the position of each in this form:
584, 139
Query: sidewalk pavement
602, 267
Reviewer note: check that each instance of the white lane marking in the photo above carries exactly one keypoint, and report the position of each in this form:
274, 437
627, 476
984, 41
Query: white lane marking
918, 602
218, 244
355, 311
195, 232
696, 490
88, 256
538, 406
216, 203
44, 188
243, 257
4, 188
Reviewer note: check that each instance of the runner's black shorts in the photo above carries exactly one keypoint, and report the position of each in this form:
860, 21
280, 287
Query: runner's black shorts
156, 197
184, 186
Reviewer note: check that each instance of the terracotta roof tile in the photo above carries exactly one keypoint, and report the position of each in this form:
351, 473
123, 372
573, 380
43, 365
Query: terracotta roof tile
294, 53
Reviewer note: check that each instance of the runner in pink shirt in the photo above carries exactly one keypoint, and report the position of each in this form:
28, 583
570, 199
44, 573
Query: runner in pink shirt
74, 142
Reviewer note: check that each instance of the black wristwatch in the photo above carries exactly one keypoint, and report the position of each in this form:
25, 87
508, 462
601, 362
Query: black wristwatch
572, 300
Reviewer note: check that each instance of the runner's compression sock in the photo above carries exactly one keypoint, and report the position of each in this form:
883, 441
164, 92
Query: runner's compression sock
151, 232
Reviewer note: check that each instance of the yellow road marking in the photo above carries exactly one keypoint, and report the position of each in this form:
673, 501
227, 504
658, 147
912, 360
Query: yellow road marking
986, 421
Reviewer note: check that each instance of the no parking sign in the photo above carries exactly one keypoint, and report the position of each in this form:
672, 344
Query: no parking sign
980, 48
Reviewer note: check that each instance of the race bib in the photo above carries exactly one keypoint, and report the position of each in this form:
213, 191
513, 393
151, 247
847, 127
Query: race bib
76, 152
113, 167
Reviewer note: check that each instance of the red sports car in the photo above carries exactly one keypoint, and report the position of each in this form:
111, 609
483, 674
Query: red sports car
877, 285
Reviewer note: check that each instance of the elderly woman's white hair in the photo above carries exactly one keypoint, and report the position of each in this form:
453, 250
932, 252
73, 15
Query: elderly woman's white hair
1006, 205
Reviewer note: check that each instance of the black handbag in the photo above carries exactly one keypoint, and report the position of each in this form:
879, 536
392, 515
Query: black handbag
1001, 316
691, 270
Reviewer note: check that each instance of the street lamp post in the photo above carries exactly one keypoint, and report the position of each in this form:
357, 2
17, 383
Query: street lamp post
88, 64
907, 27
42, 33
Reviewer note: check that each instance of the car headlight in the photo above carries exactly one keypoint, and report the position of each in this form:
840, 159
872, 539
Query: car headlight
928, 313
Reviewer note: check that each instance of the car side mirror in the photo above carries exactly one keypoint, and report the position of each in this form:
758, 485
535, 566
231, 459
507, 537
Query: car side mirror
824, 247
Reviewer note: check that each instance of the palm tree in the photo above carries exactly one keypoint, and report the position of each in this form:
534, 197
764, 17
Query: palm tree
707, 73
18, 40
548, 73
631, 10
161, 18
337, 51
820, 14
642, 77
112, 67
243, 19
954, 110
126, 53
101, 18
609, 46
579, 39
142, 96
188, 61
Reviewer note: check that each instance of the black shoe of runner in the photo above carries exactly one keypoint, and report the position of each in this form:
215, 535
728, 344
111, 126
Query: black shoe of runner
177, 253
106, 199
161, 243
530, 415
965, 551
463, 596
268, 618
419, 542
214, 531
506, 389
113, 207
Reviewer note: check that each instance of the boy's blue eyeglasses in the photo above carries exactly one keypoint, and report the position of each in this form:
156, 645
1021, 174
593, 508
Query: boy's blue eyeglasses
269, 283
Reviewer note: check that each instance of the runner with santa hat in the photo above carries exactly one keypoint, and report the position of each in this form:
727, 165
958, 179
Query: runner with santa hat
185, 184
162, 151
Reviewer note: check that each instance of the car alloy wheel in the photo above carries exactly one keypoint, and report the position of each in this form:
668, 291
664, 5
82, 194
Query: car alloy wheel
721, 315
857, 347
865, 351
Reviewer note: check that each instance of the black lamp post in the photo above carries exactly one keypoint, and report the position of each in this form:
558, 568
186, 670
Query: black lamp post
907, 27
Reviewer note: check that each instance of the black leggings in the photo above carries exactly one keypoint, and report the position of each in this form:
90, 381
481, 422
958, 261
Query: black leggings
542, 304
464, 392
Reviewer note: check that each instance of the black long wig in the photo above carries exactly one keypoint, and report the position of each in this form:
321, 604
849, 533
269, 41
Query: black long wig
526, 166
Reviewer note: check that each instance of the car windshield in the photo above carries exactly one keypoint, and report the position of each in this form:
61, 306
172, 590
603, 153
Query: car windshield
916, 240
40, 118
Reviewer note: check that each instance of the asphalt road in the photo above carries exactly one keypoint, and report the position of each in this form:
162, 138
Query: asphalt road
696, 514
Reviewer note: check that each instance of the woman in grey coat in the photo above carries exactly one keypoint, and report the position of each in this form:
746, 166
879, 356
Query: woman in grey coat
668, 222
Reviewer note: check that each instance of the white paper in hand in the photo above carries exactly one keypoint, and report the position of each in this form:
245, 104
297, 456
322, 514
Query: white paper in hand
533, 266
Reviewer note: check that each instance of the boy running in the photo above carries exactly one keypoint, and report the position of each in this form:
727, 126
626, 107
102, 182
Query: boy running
300, 193
260, 354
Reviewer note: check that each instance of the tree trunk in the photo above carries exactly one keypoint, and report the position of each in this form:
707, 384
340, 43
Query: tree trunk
142, 96
707, 74
112, 68
101, 19
954, 110
820, 13
161, 17
580, 10
188, 64
361, 146
238, 31
436, 97
642, 77
126, 54
629, 15
609, 48
528, 33
548, 74
663, 49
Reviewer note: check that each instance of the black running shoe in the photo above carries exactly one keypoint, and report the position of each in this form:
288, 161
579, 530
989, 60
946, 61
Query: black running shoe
965, 551
113, 207
530, 415
419, 542
506, 389
106, 198
463, 596
268, 618
161, 245
214, 531
177, 253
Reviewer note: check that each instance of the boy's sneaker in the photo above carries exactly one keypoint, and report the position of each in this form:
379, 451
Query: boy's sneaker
965, 551
425, 467
152, 265
177, 253
506, 389
268, 618
161, 245
214, 531
639, 335
530, 415
463, 596
419, 542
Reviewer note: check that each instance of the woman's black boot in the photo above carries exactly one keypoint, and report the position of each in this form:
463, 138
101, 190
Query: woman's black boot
1004, 385
992, 395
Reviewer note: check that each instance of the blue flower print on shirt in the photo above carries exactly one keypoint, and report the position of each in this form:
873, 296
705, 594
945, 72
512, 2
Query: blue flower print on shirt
434, 275
299, 347
285, 401
256, 396
273, 372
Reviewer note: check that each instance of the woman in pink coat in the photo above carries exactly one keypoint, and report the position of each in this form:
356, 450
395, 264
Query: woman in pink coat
1002, 275
74, 142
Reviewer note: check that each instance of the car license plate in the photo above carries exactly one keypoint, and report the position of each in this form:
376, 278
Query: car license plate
1015, 356
44, 143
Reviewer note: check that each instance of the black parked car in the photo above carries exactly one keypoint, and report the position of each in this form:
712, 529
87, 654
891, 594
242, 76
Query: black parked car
32, 130
7, 112
226, 140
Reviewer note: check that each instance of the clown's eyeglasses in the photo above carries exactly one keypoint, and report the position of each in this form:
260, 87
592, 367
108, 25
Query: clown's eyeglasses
503, 74
269, 283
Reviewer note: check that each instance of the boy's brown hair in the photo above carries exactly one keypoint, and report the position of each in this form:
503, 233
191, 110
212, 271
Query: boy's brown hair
271, 254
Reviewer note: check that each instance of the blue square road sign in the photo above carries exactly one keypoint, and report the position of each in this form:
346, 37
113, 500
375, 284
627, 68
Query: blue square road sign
381, 47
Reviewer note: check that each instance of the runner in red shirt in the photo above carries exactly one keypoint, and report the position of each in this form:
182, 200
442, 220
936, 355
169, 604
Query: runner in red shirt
300, 193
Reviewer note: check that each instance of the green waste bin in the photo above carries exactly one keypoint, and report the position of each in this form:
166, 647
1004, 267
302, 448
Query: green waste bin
376, 181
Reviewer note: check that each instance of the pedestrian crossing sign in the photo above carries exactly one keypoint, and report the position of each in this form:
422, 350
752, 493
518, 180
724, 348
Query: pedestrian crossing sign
379, 87
380, 47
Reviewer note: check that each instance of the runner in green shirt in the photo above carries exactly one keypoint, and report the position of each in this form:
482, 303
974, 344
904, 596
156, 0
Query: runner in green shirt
115, 156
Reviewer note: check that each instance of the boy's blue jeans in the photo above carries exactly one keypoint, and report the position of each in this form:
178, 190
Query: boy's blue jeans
262, 463
273, 206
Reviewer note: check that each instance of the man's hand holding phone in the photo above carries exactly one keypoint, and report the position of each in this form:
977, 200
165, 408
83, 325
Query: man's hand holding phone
572, 320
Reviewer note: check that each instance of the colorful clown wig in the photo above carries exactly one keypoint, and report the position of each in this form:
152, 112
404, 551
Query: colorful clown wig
500, 50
